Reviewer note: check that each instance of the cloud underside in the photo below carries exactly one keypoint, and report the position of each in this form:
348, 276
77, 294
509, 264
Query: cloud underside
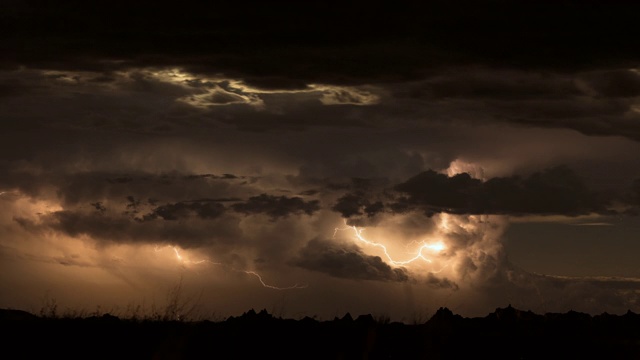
156, 208
346, 261
93, 206
601, 102
427, 63
553, 191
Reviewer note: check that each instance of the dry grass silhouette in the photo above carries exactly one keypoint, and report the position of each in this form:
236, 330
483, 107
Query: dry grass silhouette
178, 306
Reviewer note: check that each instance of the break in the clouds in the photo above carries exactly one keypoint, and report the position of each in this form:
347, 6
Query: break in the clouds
390, 157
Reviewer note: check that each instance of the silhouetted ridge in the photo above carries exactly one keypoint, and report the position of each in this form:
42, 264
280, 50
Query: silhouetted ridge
346, 317
16, 315
251, 315
443, 315
506, 333
511, 314
365, 320
104, 318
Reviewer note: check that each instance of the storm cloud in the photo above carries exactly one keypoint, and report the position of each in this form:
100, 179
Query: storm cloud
240, 137
346, 261
277, 206
553, 191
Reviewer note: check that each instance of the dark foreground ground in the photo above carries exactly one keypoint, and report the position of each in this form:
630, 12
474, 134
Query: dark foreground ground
507, 333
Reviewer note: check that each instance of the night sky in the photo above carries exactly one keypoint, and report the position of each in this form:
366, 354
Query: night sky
316, 158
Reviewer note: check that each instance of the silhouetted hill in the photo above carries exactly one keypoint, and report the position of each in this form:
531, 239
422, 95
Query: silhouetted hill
506, 333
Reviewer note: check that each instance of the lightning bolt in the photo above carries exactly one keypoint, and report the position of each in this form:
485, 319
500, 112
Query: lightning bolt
295, 286
182, 259
419, 254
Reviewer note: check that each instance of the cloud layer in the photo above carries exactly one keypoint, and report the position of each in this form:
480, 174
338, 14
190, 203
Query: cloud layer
306, 143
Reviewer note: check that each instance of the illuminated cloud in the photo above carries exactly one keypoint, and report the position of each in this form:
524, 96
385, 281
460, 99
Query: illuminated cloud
115, 228
334, 95
221, 91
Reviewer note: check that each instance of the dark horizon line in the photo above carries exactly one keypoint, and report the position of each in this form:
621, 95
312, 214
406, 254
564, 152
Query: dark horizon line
508, 313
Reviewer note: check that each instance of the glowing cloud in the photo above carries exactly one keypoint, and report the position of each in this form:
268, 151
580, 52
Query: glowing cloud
459, 166
221, 90
419, 254
185, 260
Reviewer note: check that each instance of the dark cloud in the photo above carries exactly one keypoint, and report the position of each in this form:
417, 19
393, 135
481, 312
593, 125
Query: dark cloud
358, 208
149, 100
635, 192
613, 83
597, 103
99, 207
633, 198
363, 202
490, 85
203, 210
346, 261
212, 176
435, 61
556, 190
350, 205
275, 42
608, 117
309, 192
553, 191
277, 206
440, 283
79, 188
122, 228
